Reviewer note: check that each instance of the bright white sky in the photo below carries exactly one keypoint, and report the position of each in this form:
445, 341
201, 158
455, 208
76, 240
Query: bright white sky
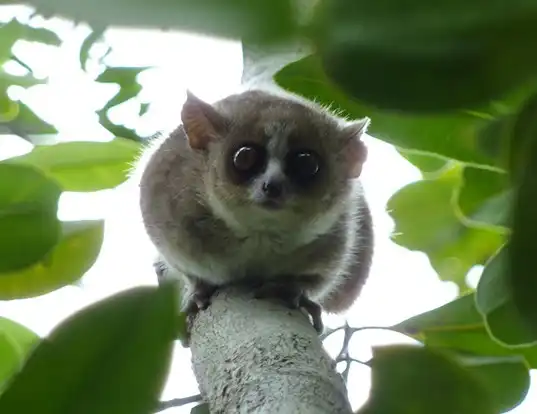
401, 284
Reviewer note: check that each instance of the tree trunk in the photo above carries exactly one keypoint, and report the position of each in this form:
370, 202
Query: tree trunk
257, 356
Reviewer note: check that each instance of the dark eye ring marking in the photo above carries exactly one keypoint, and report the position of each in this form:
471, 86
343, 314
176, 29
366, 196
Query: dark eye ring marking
249, 159
302, 165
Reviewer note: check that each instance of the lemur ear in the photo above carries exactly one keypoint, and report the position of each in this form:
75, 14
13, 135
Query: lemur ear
355, 151
201, 121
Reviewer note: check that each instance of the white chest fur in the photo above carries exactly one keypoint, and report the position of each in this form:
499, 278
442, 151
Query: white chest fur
260, 253
263, 244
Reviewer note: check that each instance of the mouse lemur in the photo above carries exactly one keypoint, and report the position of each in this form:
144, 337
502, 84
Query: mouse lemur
261, 189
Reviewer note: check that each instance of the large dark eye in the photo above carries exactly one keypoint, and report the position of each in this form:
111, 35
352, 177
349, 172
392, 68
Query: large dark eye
249, 159
302, 165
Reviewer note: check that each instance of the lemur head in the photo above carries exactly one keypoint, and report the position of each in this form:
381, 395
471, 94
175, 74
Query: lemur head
271, 158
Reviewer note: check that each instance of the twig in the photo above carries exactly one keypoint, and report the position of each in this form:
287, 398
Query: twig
329, 331
348, 361
177, 402
347, 336
24, 65
367, 328
347, 358
10, 128
343, 355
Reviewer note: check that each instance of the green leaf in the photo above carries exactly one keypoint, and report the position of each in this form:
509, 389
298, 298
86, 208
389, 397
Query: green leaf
144, 107
182, 328
428, 164
477, 341
507, 379
26, 81
84, 166
122, 75
10, 359
28, 216
24, 338
257, 20
427, 57
457, 314
27, 123
17, 30
425, 220
485, 198
16, 341
494, 299
522, 139
118, 130
95, 36
13, 30
522, 279
200, 409
124, 342
414, 379
31, 124
126, 78
458, 326
8, 108
181, 323
493, 140
72, 257
459, 135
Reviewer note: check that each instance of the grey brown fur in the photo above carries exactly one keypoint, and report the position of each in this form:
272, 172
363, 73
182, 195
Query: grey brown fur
210, 232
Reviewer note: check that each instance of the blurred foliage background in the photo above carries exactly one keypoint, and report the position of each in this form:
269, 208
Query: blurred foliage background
451, 85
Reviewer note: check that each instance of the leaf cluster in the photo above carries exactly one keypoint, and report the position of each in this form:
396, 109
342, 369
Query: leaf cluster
122, 342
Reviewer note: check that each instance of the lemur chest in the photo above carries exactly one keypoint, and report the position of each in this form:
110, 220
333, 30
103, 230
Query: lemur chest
262, 247
262, 255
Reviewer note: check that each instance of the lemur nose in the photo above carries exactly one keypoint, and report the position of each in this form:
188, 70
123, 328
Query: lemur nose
273, 188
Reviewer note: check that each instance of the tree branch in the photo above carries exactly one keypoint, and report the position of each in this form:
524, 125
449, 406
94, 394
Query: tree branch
257, 356
177, 402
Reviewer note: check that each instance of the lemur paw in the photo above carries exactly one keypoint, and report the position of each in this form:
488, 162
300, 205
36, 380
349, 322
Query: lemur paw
199, 299
293, 297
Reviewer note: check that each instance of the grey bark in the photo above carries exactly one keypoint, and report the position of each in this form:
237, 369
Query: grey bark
258, 356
